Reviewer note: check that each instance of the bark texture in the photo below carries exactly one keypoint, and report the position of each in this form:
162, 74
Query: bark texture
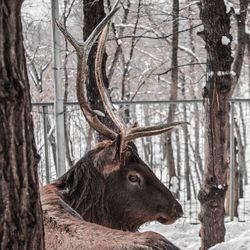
21, 224
221, 81
216, 21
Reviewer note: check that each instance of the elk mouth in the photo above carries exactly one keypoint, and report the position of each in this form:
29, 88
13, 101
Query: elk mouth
163, 219
166, 220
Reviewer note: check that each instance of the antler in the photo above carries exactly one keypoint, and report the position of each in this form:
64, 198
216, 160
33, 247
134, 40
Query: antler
138, 132
82, 52
125, 135
108, 106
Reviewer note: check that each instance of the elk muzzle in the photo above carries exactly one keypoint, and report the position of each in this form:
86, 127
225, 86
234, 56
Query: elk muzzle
171, 216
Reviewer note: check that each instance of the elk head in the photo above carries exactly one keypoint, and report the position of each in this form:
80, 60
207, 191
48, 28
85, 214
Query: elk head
133, 194
129, 194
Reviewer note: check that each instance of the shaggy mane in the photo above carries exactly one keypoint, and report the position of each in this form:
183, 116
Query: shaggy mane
76, 187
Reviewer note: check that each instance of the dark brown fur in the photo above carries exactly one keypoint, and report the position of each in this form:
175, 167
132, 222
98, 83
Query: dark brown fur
66, 231
97, 190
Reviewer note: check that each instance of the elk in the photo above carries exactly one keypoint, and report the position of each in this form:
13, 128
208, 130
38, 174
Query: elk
108, 194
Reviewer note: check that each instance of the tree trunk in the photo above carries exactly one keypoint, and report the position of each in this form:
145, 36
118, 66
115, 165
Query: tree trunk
21, 225
221, 81
236, 182
197, 154
147, 141
178, 162
125, 88
241, 159
69, 159
187, 172
93, 14
248, 58
118, 33
242, 146
186, 156
173, 91
52, 142
216, 95
66, 87
192, 79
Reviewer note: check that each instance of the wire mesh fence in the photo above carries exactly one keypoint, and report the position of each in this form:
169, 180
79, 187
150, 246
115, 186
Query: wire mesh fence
187, 143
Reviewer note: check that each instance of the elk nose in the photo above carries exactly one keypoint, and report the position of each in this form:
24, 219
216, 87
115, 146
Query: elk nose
178, 210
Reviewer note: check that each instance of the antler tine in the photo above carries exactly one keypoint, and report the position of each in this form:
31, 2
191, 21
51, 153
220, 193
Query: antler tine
93, 36
77, 45
88, 44
89, 114
101, 87
138, 132
82, 51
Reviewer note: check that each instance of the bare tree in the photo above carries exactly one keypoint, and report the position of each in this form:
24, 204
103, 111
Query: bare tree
187, 167
242, 146
65, 15
173, 90
21, 225
221, 81
192, 75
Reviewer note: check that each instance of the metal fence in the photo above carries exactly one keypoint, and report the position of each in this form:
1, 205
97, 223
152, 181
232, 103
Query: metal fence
188, 145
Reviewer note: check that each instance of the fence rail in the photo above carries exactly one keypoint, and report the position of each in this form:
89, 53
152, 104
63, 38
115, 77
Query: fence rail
188, 146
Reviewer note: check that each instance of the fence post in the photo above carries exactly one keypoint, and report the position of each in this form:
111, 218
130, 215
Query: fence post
59, 106
46, 148
232, 163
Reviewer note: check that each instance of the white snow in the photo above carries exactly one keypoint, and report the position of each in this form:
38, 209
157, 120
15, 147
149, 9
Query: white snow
237, 11
210, 73
225, 40
228, 6
186, 236
223, 73
233, 73
119, 41
174, 184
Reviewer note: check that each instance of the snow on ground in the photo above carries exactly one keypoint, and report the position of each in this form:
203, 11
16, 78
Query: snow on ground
186, 236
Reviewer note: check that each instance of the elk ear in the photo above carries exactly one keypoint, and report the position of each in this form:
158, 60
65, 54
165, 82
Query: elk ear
117, 149
110, 158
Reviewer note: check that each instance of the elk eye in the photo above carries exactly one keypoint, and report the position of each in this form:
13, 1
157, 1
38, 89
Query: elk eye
134, 178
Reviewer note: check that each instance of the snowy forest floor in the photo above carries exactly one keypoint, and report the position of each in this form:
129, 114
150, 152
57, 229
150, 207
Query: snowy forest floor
186, 236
